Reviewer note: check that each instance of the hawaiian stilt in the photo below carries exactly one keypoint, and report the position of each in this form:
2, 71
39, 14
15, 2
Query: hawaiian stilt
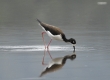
55, 33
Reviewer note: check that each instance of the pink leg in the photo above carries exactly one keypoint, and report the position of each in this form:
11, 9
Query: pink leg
49, 53
43, 58
48, 49
45, 48
49, 44
43, 38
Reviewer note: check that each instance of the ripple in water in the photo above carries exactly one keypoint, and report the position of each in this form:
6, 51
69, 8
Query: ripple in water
41, 48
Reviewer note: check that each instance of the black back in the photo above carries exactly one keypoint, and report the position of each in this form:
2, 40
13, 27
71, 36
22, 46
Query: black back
53, 29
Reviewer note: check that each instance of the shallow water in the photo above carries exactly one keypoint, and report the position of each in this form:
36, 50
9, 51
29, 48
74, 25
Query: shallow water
22, 49
24, 62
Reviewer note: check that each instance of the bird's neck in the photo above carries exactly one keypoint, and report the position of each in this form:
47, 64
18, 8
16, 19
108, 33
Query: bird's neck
64, 38
65, 58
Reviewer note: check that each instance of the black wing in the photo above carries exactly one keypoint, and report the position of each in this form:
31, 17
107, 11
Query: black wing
53, 29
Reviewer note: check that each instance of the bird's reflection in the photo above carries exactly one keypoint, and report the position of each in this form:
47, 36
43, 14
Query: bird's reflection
57, 63
44, 56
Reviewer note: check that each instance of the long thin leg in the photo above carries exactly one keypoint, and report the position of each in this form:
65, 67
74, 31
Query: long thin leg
45, 48
48, 49
43, 58
49, 53
49, 44
43, 38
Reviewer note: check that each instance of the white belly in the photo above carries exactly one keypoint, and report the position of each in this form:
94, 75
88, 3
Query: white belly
56, 37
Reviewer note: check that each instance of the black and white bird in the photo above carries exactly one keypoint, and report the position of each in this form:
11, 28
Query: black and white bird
55, 33
56, 64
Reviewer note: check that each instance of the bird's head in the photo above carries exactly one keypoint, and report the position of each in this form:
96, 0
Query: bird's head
73, 41
73, 56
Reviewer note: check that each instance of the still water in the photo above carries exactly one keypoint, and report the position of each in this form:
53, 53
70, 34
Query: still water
22, 49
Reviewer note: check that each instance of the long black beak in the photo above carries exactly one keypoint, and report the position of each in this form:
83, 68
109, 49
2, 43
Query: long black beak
74, 48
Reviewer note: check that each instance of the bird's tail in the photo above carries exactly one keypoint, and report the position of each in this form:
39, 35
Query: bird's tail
39, 21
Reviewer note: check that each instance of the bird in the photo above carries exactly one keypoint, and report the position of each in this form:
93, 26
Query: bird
54, 33
56, 64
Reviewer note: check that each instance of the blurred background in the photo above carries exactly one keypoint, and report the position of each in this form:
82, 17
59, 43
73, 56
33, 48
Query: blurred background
88, 21
19, 17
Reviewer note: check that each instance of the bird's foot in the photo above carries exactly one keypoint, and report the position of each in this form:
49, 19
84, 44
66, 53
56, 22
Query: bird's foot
47, 47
